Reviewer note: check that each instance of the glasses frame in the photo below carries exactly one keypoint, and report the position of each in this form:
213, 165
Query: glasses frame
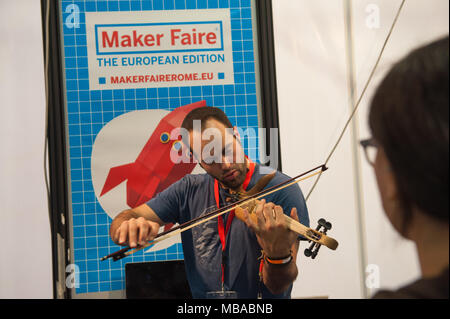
366, 143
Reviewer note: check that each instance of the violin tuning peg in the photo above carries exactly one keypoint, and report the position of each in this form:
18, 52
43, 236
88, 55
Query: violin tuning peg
322, 222
322, 228
308, 252
315, 252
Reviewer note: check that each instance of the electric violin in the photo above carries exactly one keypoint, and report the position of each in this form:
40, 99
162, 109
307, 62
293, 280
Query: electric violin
244, 201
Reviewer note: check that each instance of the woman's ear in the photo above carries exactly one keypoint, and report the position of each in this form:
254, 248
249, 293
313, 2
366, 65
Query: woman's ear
388, 189
384, 170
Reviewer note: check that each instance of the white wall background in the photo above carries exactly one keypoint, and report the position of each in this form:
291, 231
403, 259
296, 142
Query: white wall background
314, 105
25, 262
313, 100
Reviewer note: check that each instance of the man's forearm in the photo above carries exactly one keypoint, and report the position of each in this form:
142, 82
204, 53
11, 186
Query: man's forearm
278, 278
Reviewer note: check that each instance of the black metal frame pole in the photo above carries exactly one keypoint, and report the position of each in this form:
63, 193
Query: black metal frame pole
269, 97
58, 203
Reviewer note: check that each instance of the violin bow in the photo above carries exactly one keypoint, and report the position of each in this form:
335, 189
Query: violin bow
127, 251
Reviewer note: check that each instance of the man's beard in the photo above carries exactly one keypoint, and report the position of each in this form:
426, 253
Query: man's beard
236, 183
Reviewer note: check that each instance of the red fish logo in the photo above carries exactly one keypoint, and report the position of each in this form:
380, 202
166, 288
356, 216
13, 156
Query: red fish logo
153, 171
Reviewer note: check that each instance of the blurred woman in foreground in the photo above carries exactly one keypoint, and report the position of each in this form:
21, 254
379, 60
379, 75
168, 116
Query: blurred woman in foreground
409, 152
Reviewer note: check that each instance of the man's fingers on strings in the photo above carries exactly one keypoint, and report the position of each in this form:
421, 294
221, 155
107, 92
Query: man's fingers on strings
278, 215
249, 221
260, 217
269, 214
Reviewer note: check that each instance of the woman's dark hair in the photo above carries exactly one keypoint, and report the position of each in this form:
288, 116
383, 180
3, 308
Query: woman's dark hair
409, 118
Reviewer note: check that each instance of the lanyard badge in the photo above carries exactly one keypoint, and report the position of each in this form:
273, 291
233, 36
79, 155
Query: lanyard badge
223, 231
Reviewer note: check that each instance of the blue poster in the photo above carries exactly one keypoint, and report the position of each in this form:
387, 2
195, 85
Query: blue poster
127, 65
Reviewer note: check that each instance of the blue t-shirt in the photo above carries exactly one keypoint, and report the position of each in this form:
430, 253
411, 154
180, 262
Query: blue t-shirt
193, 196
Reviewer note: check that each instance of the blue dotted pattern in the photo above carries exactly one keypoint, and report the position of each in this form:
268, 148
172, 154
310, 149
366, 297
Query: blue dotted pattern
89, 110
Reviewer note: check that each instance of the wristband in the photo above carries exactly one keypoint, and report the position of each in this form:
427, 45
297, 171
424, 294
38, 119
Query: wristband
279, 261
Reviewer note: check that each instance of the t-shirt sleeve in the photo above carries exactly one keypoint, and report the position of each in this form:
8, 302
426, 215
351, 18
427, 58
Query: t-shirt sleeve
291, 197
171, 202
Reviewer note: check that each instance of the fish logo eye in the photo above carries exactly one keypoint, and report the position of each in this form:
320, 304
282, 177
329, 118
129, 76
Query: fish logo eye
165, 138
177, 146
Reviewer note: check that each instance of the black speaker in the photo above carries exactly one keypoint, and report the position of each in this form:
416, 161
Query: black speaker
157, 280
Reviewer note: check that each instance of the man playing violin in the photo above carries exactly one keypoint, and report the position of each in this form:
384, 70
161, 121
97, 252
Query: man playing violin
222, 255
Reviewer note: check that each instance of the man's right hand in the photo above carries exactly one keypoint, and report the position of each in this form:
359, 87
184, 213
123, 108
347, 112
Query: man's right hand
135, 231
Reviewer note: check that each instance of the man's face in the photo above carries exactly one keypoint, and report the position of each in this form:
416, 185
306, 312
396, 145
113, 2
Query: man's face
219, 151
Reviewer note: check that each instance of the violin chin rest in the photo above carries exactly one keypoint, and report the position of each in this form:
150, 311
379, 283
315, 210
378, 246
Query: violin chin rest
259, 186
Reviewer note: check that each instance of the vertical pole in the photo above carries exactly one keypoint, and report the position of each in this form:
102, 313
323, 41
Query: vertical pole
55, 137
357, 176
269, 99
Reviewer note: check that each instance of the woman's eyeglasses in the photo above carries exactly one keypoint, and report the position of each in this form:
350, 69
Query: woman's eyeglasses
370, 149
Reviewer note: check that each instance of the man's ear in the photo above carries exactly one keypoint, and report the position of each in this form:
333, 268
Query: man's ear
236, 133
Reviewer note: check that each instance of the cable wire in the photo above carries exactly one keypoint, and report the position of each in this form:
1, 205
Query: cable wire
47, 84
355, 109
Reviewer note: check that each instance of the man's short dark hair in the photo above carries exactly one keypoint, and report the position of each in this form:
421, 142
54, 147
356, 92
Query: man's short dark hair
203, 114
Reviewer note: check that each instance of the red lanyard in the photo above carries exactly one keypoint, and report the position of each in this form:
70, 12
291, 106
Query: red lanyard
222, 230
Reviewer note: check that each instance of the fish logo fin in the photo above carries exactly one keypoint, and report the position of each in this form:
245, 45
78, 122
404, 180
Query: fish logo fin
116, 176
